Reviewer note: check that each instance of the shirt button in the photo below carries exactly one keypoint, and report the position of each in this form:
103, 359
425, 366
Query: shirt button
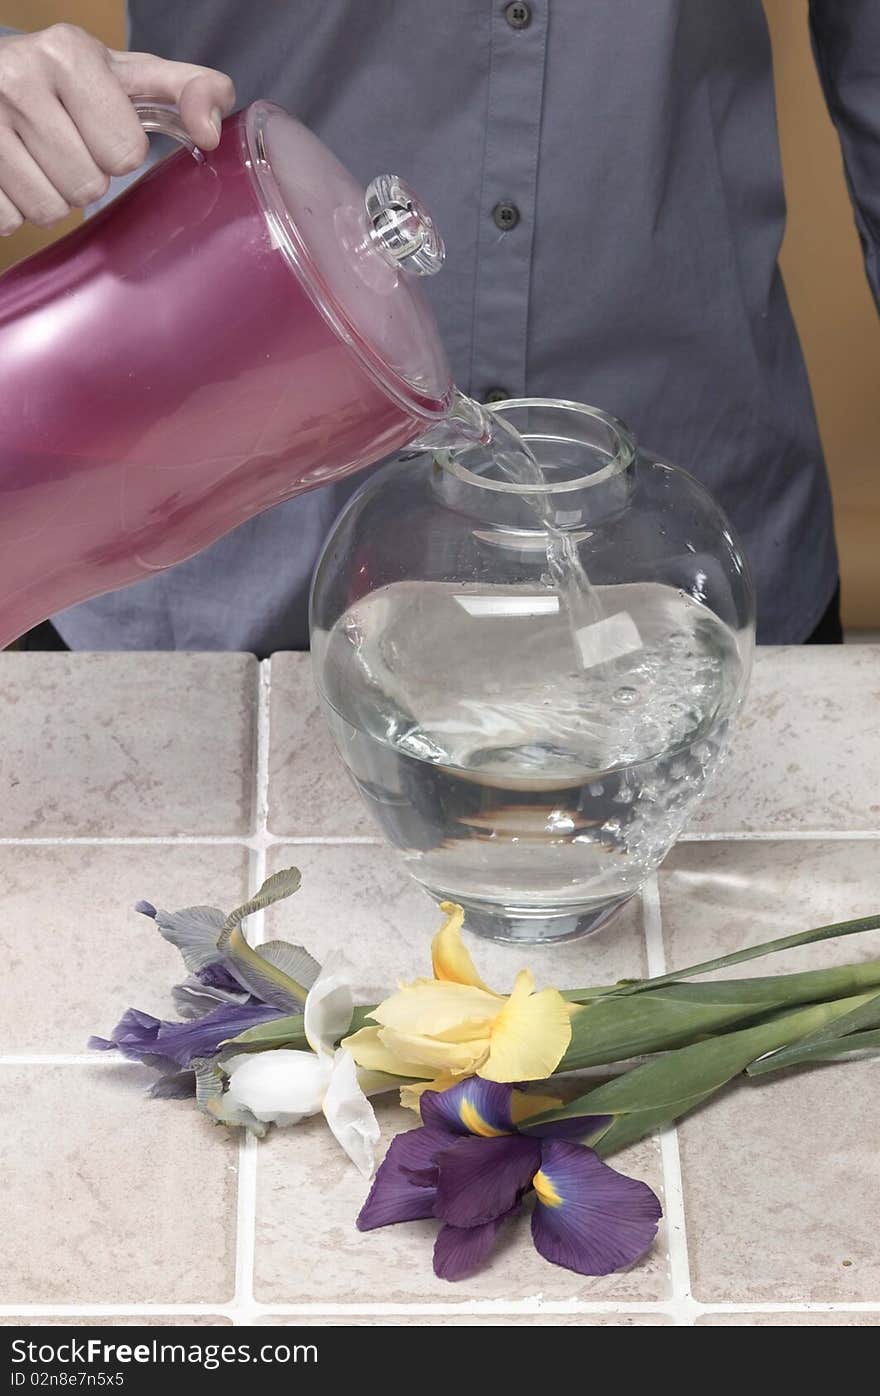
496, 395
518, 15
506, 216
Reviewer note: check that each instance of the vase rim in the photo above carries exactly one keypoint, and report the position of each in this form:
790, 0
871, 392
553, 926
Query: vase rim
620, 449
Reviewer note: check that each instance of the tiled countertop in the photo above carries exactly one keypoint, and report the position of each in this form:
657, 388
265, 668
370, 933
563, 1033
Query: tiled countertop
182, 778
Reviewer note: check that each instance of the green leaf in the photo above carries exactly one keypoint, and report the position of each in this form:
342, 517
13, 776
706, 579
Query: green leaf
867, 1015
618, 1027
752, 952
660, 1091
283, 1032
838, 1049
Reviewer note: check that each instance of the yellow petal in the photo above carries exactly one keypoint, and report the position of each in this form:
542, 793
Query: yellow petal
433, 1056
449, 957
524, 1106
530, 1036
410, 1096
430, 1007
370, 1052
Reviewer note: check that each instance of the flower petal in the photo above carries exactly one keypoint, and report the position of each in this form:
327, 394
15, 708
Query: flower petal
450, 960
470, 1107
370, 1052
280, 1086
589, 1217
524, 1105
327, 1013
140, 1037
349, 1114
481, 1179
193, 930
530, 1036
430, 1055
394, 1196
428, 1007
411, 1094
460, 1250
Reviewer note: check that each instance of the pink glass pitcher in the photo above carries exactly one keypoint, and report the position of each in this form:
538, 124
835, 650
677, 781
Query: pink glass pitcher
238, 327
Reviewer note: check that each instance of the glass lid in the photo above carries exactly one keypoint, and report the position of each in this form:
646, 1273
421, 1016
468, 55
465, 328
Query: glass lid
359, 254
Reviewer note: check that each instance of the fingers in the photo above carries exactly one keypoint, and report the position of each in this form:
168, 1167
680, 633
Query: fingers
10, 217
61, 153
67, 122
202, 95
101, 112
25, 184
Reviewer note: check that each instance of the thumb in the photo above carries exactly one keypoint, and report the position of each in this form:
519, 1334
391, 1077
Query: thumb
203, 96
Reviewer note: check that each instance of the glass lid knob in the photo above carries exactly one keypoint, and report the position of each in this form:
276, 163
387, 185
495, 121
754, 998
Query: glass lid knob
400, 227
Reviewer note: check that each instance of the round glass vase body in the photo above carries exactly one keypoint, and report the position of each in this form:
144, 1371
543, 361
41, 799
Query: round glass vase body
533, 740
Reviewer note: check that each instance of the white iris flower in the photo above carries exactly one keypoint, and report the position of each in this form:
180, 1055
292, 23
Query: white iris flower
283, 1087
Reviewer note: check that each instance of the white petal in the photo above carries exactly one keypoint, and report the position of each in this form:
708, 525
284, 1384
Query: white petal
349, 1114
327, 1013
279, 1086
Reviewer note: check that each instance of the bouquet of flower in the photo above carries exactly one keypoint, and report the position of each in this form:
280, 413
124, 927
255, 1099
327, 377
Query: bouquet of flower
267, 1036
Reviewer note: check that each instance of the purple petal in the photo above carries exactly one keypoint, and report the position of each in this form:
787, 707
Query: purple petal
217, 976
143, 1038
599, 1220
481, 1179
146, 909
460, 1250
471, 1107
395, 1196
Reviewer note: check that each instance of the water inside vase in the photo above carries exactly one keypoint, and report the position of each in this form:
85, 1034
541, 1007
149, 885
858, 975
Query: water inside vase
593, 643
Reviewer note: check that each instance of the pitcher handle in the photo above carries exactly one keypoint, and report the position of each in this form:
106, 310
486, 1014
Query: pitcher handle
165, 121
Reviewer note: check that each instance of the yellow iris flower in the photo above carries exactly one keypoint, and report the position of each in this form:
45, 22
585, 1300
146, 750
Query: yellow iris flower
454, 1025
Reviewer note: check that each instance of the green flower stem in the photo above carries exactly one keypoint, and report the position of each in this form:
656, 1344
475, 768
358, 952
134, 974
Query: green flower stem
659, 1092
615, 1028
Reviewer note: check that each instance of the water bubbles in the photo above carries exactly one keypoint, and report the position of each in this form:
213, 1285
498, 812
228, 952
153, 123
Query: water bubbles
625, 696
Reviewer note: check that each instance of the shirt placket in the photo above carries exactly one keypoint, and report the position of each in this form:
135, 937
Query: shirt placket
508, 197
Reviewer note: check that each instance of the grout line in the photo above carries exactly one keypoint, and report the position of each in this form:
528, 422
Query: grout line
776, 835
99, 1059
683, 1308
252, 841
471, 1308
246, 1209
264, 839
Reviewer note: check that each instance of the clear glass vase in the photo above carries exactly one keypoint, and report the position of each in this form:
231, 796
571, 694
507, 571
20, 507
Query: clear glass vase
532, 742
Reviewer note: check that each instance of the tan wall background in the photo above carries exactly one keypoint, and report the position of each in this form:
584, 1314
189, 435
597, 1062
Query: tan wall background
821, 261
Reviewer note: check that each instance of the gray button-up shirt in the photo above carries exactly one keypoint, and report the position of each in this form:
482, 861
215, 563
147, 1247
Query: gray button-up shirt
636, 141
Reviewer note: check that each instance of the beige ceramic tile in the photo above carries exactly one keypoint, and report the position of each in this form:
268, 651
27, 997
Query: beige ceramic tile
358, 901
781, 1188
603, 1320
120, 1321
308, 1248
310, 792
779, 1174
807, 752
108, 1197
720, 897
76, 954
130, 744
790, 1320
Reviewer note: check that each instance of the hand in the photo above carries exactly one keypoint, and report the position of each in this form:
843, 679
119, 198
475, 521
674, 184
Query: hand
67, 122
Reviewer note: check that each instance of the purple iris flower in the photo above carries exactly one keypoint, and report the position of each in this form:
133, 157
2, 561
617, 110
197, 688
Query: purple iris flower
168, 1045
470, 1167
